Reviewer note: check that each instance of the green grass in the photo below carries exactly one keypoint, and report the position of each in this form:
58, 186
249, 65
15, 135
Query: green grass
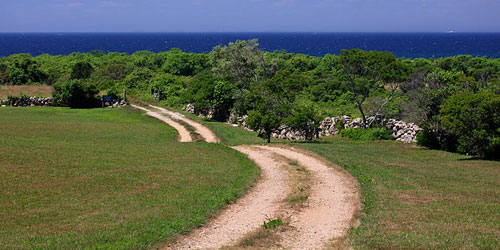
107, 178
416, 198
413, 198
273, 223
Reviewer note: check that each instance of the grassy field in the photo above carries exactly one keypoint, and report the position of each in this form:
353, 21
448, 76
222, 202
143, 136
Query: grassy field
107, 178
30, 90
414, 198
417, 198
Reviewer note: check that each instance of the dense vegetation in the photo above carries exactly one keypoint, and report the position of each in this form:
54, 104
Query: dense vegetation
107, 179
294, 89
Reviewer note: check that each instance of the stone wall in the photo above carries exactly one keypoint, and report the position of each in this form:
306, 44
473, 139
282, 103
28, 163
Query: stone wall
401, 131
29, 101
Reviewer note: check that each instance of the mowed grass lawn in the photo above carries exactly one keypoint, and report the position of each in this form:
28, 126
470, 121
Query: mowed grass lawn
413, 198
107, 178
417, 198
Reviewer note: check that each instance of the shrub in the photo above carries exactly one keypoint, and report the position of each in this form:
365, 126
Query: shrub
428, 138
367, 134
340, 125
305, 120
475, 121
113, 92
75, 94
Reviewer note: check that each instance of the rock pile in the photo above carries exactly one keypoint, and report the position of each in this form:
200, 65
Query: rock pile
190, 108
402, 131
29, 101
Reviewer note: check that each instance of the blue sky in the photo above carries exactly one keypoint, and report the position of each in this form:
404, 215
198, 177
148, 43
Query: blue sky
249, 15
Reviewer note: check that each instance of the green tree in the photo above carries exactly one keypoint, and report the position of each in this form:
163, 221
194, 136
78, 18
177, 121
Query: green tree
75, 94
240, 61
81, 70
185, 64
475, 120
264, 122
365, 72
269, 110
305, 119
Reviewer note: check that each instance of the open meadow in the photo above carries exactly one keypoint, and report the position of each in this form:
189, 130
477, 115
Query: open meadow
107, 178
413, 198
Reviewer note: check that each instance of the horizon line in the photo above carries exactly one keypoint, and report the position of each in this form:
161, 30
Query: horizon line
242, 32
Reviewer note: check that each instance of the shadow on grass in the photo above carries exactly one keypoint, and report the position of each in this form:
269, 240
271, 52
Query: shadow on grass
477, 158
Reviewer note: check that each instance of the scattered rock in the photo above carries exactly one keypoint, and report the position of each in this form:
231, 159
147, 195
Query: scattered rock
190, 108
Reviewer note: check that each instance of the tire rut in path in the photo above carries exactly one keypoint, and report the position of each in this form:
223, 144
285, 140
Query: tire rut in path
332, 204
248, 213
184, 135
206, 133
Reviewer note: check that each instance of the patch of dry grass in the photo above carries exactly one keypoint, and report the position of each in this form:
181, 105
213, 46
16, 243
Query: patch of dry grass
30, 90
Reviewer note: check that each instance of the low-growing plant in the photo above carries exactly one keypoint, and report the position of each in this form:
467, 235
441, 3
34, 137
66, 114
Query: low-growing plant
340, 125
298, 198
271, 224
367, 134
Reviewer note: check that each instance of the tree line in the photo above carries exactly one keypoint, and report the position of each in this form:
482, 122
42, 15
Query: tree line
455, 99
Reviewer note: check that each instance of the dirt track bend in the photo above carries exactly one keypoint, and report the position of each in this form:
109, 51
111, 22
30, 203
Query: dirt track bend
184, 135
206, 133
332, 203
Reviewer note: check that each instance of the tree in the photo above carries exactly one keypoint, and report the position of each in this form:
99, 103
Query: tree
81, 70
75, 94
185, 64
268, 112
304, 118
265, 123
239, 62
365, 72
475, 120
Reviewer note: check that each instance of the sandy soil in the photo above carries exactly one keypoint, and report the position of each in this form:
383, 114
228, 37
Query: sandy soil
206, 133
248, 213
184, 135
332, 204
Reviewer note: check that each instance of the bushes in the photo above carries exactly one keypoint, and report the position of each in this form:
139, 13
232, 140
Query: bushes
428, 138
475, 121
367, 134
75, 94
304, 119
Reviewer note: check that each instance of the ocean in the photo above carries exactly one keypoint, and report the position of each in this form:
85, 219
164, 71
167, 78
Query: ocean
409, 45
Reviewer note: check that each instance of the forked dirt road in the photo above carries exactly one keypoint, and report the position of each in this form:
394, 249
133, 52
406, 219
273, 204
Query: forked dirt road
331, 208
206, 133
184, 135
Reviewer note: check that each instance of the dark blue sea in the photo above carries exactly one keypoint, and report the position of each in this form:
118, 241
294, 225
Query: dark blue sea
409, 45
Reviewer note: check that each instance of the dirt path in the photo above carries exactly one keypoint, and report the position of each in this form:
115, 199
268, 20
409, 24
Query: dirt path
248, 213
184, 135
206, 133
332, 204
